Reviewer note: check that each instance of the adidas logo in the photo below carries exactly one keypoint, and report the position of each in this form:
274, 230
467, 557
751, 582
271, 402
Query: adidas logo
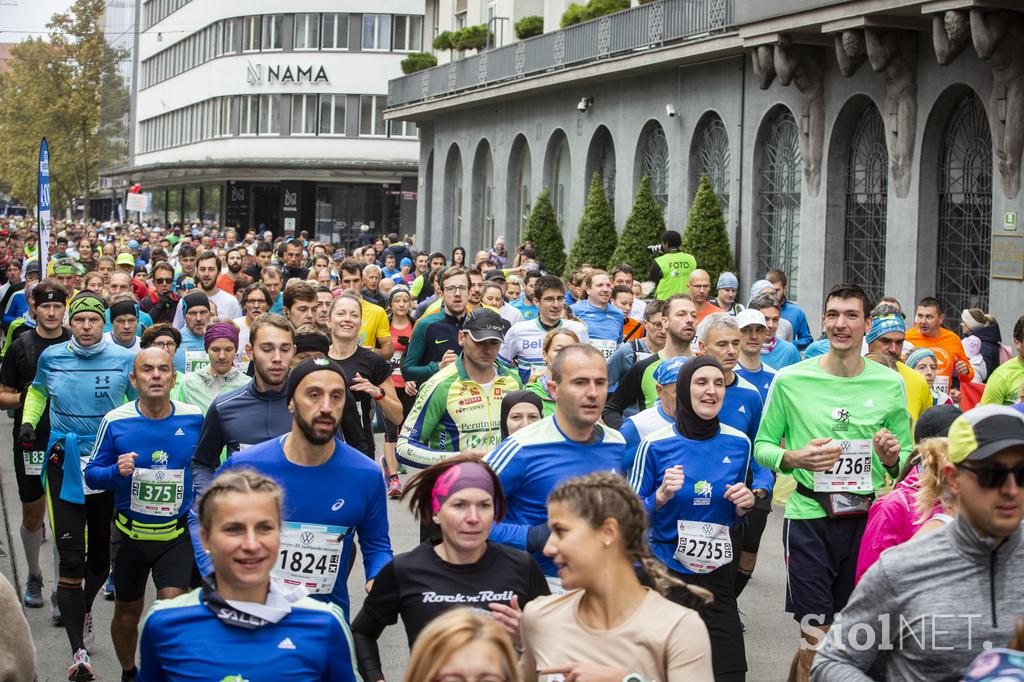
286, 643
743, 409
179, 432
727, 460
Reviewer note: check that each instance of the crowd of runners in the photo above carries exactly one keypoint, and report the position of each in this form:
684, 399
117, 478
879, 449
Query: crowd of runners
596, 453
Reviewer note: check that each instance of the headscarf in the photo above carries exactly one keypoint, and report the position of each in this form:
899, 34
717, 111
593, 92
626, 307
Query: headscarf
688, 422
512, 399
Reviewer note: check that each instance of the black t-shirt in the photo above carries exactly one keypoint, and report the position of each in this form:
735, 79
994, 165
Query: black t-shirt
19, 369
419, 586
376, 369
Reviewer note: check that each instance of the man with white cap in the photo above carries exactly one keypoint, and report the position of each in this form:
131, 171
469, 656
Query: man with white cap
753, 330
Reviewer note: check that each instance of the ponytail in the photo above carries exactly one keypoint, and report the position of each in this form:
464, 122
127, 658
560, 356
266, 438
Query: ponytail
932, 487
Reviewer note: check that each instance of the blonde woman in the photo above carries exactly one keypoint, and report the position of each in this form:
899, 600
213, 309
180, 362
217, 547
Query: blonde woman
463, 646
554, 341
609, 626
936, 504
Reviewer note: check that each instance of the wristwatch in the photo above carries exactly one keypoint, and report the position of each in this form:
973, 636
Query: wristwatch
632, 677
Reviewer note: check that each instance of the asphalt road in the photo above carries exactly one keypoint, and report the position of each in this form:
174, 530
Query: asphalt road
771, 636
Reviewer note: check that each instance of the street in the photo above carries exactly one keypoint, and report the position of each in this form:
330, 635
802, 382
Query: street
770, 639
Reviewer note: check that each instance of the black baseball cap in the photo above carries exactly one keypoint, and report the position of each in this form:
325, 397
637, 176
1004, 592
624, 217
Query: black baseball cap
495, 275
485, 325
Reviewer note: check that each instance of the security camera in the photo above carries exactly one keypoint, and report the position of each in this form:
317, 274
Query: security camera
670, 110
585, 103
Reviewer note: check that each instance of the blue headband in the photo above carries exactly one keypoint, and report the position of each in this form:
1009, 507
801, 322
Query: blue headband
885, 324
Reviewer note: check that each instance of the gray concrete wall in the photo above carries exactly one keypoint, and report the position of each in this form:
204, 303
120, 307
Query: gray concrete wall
726, 87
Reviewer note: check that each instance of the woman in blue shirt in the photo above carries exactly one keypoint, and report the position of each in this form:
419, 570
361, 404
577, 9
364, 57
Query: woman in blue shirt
691, 475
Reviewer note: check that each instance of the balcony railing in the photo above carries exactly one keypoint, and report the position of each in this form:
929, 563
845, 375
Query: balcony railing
638, 28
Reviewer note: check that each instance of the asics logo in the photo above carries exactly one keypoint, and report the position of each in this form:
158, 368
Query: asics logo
337, 505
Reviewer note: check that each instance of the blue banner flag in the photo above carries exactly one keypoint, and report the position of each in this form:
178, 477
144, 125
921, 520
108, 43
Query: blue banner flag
44, 206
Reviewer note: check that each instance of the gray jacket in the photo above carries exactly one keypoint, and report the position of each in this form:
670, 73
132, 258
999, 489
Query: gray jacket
930, 605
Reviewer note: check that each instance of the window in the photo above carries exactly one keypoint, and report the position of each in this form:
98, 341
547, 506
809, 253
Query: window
402, 129
781, 181
332, 114
225, 116
371, 115
271, 32
269, 115
250, 115
250, 34
713, 160
303, 114
408, 33
867, 184
307, 31
335, 32
655, 163
376, 32
227, 36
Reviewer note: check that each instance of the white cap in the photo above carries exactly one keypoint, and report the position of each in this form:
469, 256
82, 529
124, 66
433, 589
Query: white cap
747, 317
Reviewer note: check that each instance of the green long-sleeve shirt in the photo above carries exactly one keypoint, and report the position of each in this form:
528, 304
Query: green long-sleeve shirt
805, 403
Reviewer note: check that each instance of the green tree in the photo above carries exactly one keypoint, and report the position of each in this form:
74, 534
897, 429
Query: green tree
705, 237
54, 88
644, 227
596, 237
542, 231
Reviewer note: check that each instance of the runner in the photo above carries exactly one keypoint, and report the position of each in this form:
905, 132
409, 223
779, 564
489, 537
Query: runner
300, 303
656, 417
331, 490
725, 294
754, 330
692, 525
401, 332
671, 270
193, 334
463, 645
460, 498
553, 343
632, 329
626, 355
201, 387
790, 311
162, 302
637, 390
950, 358
518, 410
522, 347
886, 336
776, 352
599, 531
459, 408
604, 321
257, 628
971, 566
623, 275
845, 425
699, 287
16, 375
143, 453
534, 461
207, 270
1003, 386
84, 379
435, 338
924, 361
124, 319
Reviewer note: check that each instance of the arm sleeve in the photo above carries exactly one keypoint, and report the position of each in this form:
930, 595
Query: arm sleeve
206, 458
619, 363
961, 354
179, 319
881, 532
35, 404
383, 326
340, 668
352, 425
802, 332
510, 473
372, 531
767, 451
655, 275
414, 440
380, 609
632, 436
413, 369
101, 470
150, 668
643, 479
689, 651
839, 659
527, 662
628, 393
15, 309
762, 476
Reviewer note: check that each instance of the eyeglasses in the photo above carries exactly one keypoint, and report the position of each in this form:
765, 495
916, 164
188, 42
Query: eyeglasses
164, 280
553, 299
164, 344
456, 289
994, 476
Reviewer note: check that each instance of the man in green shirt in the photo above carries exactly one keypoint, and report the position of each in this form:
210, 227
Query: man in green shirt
846, 420
1004, 386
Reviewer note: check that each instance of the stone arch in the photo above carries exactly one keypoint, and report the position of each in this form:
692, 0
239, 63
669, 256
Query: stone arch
453, 190
519, 189
711, 155
558, 175
428, 193
480, 231
652, 160
601, 160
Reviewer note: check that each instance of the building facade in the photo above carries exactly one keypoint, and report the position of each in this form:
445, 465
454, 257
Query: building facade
847, 140
269, 115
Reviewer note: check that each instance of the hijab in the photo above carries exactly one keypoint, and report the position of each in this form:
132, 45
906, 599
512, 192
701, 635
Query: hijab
512, 399
688, 422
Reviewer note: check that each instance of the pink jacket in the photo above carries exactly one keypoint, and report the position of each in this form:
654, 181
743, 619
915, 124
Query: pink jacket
892, 520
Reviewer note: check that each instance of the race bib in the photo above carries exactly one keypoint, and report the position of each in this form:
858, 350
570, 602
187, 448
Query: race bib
850, 473
310, 556
703, 546
941, 383
157, 492
34, 460
85, 486
396, 363
195, 359
606, 346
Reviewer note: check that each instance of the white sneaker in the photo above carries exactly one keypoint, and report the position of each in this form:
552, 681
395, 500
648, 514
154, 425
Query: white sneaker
81, 667
88, 636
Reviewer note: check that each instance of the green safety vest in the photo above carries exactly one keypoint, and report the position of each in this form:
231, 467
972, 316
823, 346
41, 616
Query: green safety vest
675, 273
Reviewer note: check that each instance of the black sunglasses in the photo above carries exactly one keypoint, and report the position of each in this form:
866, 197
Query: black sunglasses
163, 280
994, 476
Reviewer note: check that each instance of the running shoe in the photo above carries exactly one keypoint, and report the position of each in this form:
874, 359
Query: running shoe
34, 592
58, 620
402, 469
81, 667
88, 636
108, 587
394, 488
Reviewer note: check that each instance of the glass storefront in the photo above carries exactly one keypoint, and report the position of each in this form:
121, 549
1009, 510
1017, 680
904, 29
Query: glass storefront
191, 202
341, 209
211, 204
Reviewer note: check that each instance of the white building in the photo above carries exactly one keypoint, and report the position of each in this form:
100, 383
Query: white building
270, 114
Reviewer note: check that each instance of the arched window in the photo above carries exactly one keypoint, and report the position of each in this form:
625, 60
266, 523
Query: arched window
483, 198
965, 209
560, 182
867, 181
778, 231
601, 160
453, 194
519, 198
713, 159
654, 161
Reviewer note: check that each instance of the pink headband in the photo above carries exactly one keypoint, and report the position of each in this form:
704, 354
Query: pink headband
220, 330
461, 477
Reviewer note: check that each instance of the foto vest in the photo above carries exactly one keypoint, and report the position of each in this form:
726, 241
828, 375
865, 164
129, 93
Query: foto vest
675, 273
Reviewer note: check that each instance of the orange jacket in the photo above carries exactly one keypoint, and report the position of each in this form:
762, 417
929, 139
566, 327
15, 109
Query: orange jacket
948, 349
